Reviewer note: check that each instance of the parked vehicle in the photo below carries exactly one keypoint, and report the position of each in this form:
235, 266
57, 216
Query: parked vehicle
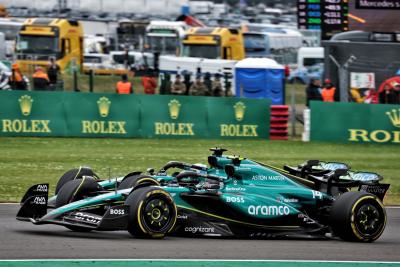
43, 38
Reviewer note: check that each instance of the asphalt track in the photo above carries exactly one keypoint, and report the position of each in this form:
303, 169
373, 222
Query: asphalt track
22, 240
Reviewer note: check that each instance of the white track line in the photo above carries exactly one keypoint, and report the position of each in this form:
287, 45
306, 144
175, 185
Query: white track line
195, 260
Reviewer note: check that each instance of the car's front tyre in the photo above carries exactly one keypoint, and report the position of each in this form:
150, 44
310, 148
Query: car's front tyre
152, 212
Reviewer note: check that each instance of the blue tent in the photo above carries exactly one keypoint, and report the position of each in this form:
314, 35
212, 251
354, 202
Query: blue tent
260, 78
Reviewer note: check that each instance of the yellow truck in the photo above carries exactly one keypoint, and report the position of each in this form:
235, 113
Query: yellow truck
214, 43
43, 38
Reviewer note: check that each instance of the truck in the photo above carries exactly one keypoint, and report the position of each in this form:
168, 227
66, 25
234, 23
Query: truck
43, 38
214, 43
164, 37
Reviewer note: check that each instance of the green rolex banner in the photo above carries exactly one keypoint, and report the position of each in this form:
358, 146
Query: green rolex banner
238, 118
25, 113
102, 115
173, 116
355, 123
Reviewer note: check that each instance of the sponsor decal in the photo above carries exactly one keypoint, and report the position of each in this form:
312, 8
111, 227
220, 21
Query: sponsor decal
103, 127
237, 189
287, 200
268, 210
25, 104
87, 218
182, 217
117, 211
239, 130
104, 106
165, 128
316, 194
234, 199
42, 188
199, 229
240, 109
379, 136
25, 126
378, 190
268, 178
174, 108
40, 201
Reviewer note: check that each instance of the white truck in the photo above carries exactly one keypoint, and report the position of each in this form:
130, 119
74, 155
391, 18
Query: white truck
165, 37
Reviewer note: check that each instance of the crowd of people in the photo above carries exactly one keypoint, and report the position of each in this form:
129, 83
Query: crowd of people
388, 92
202, 86
43, 79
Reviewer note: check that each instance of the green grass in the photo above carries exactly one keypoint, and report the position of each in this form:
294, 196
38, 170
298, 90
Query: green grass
25, 161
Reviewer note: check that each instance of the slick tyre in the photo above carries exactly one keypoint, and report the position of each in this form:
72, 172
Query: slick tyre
152, 213
136, 180
358, 216
72, 175
76, 190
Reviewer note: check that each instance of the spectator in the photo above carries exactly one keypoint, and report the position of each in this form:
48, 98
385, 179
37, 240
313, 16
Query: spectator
371, 96
124, 86
40, 79
356, 95
165, 87
198, 88
329, 92
187, 80
178, 87
217, 86
388, 95
313, 91
149, 83
52, 71
208, 83
16, 80
396, 88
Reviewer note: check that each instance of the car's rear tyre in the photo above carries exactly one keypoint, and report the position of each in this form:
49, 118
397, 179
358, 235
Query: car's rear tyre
152, 212
76, 190
73, 174
358, 216
136, 180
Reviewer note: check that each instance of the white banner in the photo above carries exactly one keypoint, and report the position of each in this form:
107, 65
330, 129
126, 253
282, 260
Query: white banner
362, 80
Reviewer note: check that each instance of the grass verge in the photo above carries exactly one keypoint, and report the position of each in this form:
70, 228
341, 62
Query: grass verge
26, 161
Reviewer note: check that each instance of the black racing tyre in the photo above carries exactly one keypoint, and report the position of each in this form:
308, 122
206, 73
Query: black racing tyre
73, 174
152, 212
135, 180
358, 216
76, 190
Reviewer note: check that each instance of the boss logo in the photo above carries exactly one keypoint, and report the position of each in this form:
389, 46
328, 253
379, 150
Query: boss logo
39, 201
117, 212
234, 199
42, 188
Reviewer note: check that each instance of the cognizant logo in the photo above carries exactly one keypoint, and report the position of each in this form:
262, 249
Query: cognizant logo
199, 229
268, 210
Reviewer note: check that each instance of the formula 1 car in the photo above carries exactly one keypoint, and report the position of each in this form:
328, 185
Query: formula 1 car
233, 197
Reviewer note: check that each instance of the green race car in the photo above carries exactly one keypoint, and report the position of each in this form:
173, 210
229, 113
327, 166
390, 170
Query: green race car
232, 197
